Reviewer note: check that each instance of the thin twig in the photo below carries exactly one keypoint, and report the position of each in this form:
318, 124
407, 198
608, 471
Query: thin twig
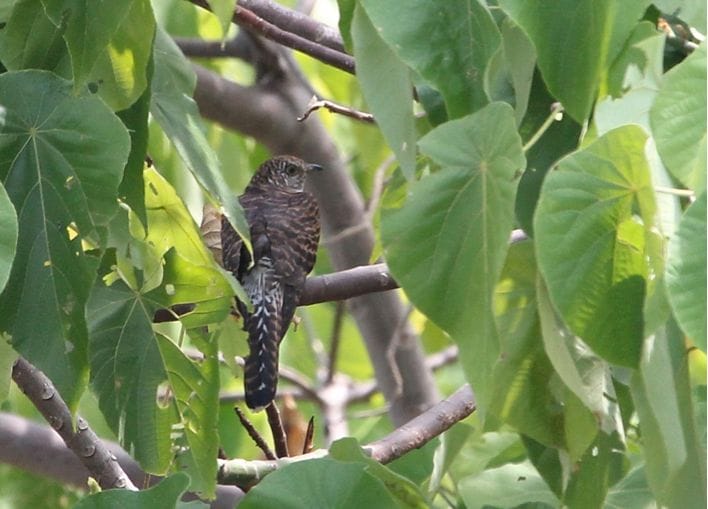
255, 436
416, 433
315, 104
309, 436
276, 427
334, 340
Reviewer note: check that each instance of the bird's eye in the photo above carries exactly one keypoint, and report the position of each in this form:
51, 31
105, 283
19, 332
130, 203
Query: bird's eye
291, 170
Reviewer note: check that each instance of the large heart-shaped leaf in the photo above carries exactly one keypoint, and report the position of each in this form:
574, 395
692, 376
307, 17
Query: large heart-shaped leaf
576, 41
448, 43
61, 159
592, 249
446, 245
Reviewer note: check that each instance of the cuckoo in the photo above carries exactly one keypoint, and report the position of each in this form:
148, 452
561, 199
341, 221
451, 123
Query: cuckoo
284, 224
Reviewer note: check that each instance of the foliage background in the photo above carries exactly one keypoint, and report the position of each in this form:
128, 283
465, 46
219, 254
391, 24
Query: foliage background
585, 344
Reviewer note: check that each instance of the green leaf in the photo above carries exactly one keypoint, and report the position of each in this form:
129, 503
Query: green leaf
510, 485
127, 372
675, 462
89, 27
132, 187
575, 41
176, 112
403, 489
7, 360
224, 10
521, 395
451, 443
448, 43
642, 67
31, 41
583, 372
387, 88
190, 272
631, 491
196, 393
62, 160
678, 120
346, 13
686, 272
8, 236
121, 72
319, 483
595, 472
446, 245
591, 247
166, 495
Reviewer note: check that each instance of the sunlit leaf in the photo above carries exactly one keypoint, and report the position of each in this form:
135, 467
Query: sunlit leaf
176, 112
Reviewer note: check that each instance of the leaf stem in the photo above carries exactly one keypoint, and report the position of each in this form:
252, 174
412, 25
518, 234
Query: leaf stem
684, 193
556, 110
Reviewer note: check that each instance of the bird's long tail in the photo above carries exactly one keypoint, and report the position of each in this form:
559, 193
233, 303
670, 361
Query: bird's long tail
264, 334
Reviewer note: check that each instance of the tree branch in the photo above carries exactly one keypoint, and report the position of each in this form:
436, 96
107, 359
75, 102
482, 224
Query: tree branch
81, 439
412, 435
37, 448
425, 427
248, 19
348, 283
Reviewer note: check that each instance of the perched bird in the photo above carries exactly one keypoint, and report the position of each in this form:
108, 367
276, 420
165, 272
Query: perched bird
284, 224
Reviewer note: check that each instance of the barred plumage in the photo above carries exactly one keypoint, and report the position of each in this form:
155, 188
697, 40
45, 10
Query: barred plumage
284, 225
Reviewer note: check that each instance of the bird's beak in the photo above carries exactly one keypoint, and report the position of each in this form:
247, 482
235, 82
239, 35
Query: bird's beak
314, 167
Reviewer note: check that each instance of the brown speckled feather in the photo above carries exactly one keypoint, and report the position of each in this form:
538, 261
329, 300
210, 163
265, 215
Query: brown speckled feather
284, 227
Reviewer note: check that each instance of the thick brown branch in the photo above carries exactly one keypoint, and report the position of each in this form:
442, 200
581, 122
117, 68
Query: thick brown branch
248, 19
276, 427
38, 449
425, 427
295, 22
80, 438
412, 435
348, 283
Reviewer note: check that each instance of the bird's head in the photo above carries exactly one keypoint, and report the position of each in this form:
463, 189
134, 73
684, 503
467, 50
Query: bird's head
284, 172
